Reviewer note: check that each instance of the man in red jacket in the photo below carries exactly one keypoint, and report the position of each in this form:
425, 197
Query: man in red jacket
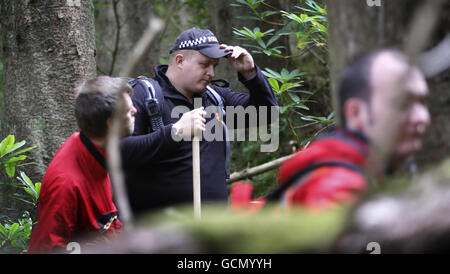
76, 196
380, 95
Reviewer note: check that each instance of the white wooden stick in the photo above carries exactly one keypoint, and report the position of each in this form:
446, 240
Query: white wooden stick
196, 176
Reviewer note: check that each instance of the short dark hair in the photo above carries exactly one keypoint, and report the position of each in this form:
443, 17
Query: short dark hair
187, 53
355, 80
95, 102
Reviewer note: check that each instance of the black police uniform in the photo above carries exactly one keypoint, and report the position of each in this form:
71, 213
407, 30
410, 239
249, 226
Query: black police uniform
158, 169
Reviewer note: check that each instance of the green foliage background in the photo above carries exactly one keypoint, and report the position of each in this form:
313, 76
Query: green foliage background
302, 89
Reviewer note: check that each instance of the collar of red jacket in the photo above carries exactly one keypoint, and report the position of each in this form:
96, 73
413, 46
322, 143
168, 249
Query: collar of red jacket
338, 146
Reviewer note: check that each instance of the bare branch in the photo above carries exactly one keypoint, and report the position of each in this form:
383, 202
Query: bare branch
113, 151
424, 21
436, 60
249, 172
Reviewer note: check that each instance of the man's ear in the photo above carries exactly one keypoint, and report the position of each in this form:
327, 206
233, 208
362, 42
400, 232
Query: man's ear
356, 114
179, 58
108, 124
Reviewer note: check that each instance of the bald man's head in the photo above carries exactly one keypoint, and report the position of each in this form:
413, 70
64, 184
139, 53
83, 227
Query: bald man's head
383, 88
357, 79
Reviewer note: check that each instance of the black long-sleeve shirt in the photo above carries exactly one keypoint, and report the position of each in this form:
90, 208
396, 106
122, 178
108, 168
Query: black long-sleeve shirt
158, 169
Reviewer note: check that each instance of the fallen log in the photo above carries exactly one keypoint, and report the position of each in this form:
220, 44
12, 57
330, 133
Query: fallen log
249, 172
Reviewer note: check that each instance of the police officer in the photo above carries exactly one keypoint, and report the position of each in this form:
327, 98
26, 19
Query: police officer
158, 163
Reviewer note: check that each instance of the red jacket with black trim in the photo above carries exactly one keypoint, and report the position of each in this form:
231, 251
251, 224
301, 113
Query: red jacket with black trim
333, 174
327, 185
75, 199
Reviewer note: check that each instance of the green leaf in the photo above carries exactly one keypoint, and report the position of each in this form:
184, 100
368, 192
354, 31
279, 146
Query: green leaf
258, 35
25, 179
29, 191
302, 106
247, 33
285, 76
296, 73
276, 50
37, 187
292, 16
316, 8
267, 32
303, 91
248, 18
251, 46
271, 73
278, 34
283, 109
273, 39
284, 73
23, 200
25, 164
23, 150
261, 43
30, 188
5, 144
12, 160
268, 52
254, 4
3, 231
274, 83
12, 230
305, 18
266, 14
242, 2
331, 116
294, 97
322, 28
10, 170
12, 140
18, 244
315, 118
13, 147
287, 86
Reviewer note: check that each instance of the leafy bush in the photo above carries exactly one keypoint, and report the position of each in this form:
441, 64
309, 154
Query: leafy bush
15, 234
305, 107
32, 189
309, 28
14, 237
9, 157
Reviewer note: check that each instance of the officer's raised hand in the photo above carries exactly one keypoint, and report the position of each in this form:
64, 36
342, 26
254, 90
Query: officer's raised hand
241, 60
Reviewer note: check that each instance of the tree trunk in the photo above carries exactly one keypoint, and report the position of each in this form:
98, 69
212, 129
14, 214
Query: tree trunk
119, 25
356, 28
48, 47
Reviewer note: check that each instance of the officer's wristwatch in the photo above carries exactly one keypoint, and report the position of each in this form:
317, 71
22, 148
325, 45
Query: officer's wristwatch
175, 132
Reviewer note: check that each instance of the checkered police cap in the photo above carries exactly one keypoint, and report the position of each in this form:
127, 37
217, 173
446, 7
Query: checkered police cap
201, 40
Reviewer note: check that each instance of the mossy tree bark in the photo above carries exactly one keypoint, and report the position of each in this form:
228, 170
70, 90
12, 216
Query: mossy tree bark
48, 48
